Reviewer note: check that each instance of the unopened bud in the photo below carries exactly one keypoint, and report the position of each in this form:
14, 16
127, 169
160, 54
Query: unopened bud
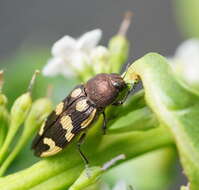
84, 181
19, 112
21, 108
38, 113
3, 100
119, 49
119, 45
1, 79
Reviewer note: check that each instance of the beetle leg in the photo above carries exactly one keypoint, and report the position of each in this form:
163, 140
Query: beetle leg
79, 143
104, 123
120, 102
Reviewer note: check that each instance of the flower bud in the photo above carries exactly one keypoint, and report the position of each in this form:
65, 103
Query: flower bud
38, 113
21, 108
119, 45
119, 49
87, 178
3, 99
185, 188
90, 176
19, 112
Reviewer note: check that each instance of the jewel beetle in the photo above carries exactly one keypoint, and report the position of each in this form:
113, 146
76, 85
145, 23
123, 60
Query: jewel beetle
77, 112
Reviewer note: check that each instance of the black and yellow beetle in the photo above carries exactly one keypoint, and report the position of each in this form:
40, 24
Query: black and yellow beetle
77, 112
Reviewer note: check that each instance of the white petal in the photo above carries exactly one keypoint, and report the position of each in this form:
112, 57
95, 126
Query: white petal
192, 74
188, 48
89, 40
64, 47
187, 59
78, 60
100, 52
121, 185
57, 66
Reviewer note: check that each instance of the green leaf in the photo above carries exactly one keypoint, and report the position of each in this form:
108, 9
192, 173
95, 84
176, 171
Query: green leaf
175, 107
141, 119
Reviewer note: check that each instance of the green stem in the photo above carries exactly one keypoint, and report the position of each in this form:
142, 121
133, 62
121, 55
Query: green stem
3, 132
10, 135
131, 144
39, 111
4, 123
15, 151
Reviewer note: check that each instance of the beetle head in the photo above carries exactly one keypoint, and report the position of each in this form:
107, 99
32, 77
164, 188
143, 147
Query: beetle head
103, 89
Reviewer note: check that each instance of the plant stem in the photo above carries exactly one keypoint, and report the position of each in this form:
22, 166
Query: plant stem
131, 144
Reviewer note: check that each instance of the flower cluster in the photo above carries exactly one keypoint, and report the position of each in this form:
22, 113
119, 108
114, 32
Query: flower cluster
71, 54
24, 112
83, 57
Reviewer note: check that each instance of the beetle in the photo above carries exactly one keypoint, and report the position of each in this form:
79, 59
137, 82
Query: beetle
77, 112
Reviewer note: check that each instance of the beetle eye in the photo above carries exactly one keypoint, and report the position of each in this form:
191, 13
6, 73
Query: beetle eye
116, 84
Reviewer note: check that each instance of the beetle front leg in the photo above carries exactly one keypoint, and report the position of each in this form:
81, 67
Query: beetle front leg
120, 102
79, 143
104, 123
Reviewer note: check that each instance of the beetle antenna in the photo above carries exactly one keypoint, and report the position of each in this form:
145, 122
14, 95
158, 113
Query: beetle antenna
125, 23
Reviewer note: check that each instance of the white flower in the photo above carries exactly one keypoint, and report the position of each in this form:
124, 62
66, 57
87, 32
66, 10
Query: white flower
99, 58
71, 54
186, 61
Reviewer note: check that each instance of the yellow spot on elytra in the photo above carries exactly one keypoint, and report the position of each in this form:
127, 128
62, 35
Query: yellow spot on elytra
41, 131
86, 122
82, 105
59, 108
53, 149
69, 136
66, 123
75, 93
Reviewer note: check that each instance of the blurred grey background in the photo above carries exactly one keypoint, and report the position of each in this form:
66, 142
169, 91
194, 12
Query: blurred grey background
42, 22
